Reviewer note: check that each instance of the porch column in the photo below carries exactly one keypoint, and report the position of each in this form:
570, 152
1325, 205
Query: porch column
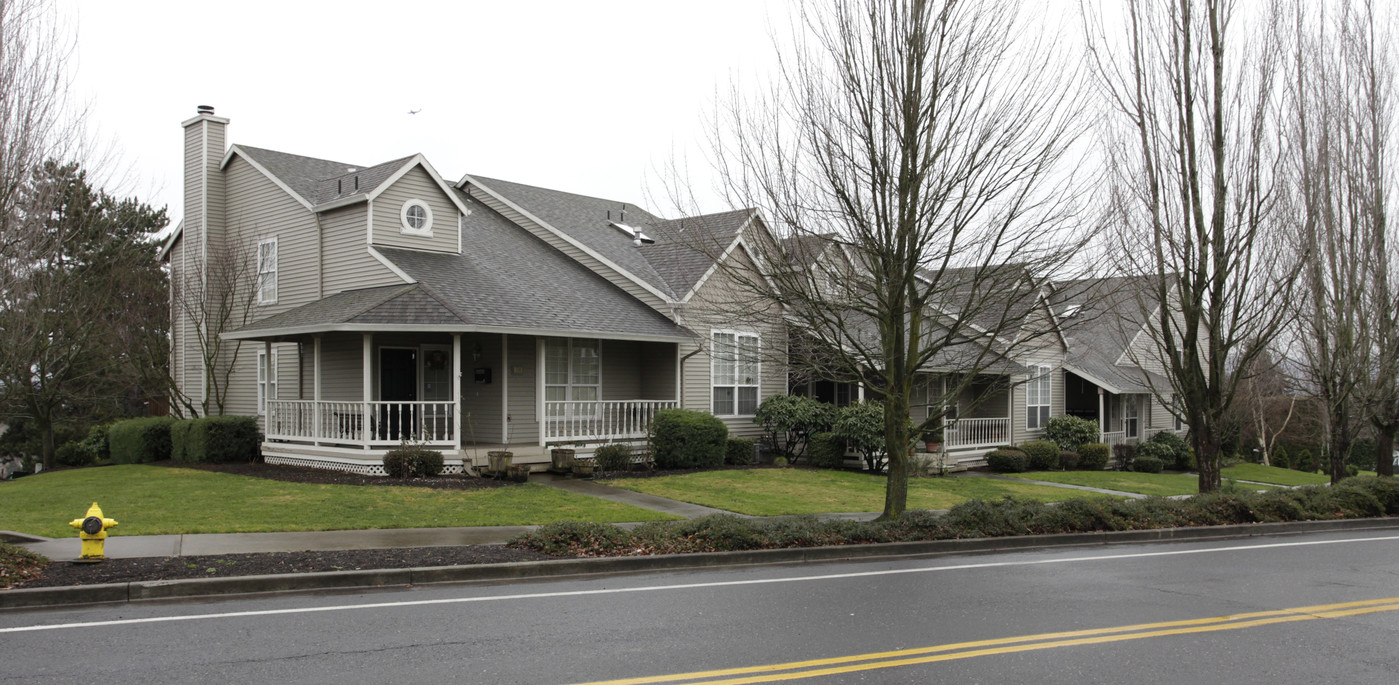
270, 378
368, 387
1102, 419
316, 388
456, 391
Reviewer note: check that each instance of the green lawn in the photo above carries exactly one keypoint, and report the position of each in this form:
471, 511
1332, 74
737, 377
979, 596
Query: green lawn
778, 492
1272, 474
1164, 484
152, 500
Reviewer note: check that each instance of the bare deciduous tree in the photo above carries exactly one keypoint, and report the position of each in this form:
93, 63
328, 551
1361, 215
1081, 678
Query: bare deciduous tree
209, 299
1191, 149
923, 142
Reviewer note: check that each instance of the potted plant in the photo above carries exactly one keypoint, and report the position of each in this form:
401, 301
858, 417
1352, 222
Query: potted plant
582, 468
498, 462
932, 437
519, 473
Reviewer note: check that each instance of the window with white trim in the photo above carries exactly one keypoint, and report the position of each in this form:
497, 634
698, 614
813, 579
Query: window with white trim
267, 271
416, 216
266, 380
734, 372
1037, 396
572, 376
1129, 416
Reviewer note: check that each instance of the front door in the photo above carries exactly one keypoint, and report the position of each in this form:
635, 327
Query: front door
398, 382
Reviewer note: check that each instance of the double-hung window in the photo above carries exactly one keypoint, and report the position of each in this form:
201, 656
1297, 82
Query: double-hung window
734, 371
267, 271
1037, 394
572, 376
1129, 416
266, 380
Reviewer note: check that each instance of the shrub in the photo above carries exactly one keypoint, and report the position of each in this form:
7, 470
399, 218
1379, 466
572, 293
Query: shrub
827, 451
789, 421
779, 461
1147, 465
687, 439
95, 444
1093, 456
1122, 456
582, 538
413, 462
1007, 461
1174, 451
612, 458
861, 425
140, 441
1068, 461
1071, 431
1280, 458
1305, 461
214, 439
1043, 454
1157, 451
71, 454
739, 451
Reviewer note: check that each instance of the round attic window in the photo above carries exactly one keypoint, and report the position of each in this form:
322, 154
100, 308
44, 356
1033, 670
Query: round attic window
416, 216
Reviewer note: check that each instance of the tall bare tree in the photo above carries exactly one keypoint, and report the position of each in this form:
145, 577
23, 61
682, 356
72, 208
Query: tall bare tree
211, 298
1340, 107
1191, 148
923, 141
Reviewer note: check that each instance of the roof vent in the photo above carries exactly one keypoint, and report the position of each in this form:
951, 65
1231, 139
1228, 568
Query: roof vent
1070, 310
635, 234
205, 109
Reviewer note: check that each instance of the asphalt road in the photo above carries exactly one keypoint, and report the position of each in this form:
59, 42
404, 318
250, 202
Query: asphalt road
1290, 609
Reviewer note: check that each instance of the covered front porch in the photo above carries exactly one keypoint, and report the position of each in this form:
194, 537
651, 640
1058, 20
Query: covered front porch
978, 418
356, 395
1125, 415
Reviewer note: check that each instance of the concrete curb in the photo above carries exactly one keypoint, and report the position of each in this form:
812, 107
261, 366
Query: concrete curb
365, 579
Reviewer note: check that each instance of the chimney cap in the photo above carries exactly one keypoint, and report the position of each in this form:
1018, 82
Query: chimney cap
205, 109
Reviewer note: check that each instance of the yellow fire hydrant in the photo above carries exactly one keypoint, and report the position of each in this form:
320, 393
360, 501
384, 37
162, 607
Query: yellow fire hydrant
92, 529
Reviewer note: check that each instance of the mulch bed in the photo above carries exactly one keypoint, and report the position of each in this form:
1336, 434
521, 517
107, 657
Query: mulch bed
59, 574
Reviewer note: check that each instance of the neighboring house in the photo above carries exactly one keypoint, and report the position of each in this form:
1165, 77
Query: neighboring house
391, 305
1112, 373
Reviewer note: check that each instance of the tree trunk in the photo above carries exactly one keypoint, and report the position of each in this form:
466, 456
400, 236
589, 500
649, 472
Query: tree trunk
1384, 450
1207, 454
45, 426
896, 436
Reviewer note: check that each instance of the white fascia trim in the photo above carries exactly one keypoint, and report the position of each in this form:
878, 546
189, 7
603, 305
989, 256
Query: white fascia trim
569, 239
342, 202
437, 328
392, 267
419, 159
170, 242
270, 176
1092, 379
738, 239
203, 117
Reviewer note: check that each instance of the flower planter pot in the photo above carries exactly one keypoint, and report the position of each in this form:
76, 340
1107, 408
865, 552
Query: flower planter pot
562, 460
519, 473
583, 469
498, 462
933, 447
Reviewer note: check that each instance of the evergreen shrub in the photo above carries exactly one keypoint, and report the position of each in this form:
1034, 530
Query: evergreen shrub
1043, 454
612, 458
140, 441
827, 451
1007, 460
1093, 456
1071, 431
687, 439
739, 451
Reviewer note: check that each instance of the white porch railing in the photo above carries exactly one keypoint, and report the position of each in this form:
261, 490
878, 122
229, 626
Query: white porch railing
388, 423
573, 421
971, 433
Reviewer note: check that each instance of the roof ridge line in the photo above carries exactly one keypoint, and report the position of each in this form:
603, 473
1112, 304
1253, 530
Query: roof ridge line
403, 289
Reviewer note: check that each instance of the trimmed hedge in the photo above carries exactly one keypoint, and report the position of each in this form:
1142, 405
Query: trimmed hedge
1352, 498
739, 451
1147, 465
1043, 454
1007, 461
827, 451
1171, 449
1068, 460
687, 439
1093, 456
413, 462
140, 441
214, 439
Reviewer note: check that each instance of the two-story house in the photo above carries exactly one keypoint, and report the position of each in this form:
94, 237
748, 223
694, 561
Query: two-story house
387, 304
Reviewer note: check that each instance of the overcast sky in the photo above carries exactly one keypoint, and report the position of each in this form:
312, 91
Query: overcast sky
586, 97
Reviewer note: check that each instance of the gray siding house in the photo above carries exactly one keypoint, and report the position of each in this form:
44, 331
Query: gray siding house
391, 305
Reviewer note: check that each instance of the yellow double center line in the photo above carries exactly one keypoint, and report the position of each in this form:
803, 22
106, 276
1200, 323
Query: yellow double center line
793, 670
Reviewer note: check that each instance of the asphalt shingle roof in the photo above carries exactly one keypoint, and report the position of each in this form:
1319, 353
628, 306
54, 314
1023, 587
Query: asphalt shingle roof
314, 179
1106, 315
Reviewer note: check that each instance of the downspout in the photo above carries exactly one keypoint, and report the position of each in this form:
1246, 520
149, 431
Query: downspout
681, 399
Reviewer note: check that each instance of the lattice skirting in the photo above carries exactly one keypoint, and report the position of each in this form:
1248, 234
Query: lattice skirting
361, 467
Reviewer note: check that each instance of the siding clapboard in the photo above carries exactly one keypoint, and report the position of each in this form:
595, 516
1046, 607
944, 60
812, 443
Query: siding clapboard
388, 207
